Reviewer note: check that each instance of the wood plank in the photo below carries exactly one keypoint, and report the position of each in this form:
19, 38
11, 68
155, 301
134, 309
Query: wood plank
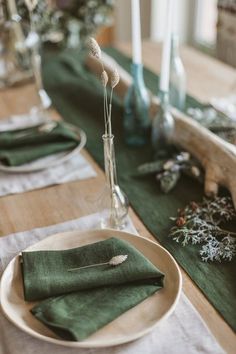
75, 199
206, 77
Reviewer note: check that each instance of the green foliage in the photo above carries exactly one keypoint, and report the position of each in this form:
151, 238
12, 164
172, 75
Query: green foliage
168, 170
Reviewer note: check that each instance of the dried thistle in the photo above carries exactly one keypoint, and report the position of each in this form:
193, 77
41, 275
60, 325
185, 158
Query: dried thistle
115, 78
114, 261
95, 50
104, 78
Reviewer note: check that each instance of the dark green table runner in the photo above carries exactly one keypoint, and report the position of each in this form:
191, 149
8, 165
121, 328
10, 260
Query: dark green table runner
78, 96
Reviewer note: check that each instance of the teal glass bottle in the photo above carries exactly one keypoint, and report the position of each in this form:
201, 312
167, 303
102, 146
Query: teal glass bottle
136, 110
163, 124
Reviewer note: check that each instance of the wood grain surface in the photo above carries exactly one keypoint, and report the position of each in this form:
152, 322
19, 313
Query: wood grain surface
206, 78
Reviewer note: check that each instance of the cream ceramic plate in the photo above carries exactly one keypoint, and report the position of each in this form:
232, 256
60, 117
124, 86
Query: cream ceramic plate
48, 161
131, 325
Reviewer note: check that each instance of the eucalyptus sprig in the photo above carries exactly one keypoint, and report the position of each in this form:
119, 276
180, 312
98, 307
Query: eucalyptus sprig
202, 223
95, 52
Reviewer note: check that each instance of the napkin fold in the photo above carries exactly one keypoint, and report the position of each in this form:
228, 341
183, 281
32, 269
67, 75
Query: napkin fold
81, 302
21, 146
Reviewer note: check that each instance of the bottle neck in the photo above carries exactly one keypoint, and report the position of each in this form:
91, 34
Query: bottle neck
137, 73
174, 47
164, 99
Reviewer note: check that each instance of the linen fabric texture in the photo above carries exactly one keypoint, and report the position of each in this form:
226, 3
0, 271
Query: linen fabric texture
80, 302
21, 146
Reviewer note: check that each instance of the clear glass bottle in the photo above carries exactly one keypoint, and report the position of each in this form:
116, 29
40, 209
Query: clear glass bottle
177, 76
114, 203
136, 110
14, 56
163, 124
73, 37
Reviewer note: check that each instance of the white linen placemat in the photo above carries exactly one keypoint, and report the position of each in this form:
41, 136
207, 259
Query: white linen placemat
75, 168
183, 332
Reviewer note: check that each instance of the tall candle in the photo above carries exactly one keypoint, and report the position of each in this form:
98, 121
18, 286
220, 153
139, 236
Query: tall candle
166, 51
136, 32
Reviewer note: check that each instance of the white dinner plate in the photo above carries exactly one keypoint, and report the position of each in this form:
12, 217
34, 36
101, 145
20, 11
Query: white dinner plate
131, 325
51, 160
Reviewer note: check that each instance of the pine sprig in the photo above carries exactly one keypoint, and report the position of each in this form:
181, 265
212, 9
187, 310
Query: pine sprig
201, 223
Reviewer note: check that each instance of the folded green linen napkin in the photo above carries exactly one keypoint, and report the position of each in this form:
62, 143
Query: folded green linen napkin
85, 300
22, 146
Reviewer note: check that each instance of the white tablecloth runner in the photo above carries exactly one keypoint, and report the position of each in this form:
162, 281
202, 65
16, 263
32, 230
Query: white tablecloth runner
183, 332
75, 168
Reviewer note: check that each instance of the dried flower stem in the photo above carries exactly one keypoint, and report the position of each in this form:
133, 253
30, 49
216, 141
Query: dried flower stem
96, 52
114, 261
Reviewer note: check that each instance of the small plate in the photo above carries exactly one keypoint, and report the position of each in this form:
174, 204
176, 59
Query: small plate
131, 325
48, 161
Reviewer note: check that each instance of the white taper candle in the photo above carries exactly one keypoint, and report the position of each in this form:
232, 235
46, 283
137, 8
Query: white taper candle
136, 32
166, 50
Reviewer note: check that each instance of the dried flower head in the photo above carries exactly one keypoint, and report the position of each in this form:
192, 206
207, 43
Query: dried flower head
115, 78
114, 261
31, 4
104, 78
95, 50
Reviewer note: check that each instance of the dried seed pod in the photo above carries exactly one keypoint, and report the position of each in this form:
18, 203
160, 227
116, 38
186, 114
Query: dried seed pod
94, 48
114, 261
104, 78
180, 221
115, 78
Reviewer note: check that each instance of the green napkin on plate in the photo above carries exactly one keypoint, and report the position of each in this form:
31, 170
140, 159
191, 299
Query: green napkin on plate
21, 146
78, 303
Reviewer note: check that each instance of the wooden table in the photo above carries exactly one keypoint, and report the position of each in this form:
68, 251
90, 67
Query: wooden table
206, 78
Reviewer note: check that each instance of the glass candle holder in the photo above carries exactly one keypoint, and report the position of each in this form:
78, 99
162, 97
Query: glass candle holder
136, 110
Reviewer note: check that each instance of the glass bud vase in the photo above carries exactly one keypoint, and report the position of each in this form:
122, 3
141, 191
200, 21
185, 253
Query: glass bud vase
163, 124
115, 208
136, 110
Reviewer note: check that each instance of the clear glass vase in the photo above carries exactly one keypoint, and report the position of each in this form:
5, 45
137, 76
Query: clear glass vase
114, 202
163, 124
136, 110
